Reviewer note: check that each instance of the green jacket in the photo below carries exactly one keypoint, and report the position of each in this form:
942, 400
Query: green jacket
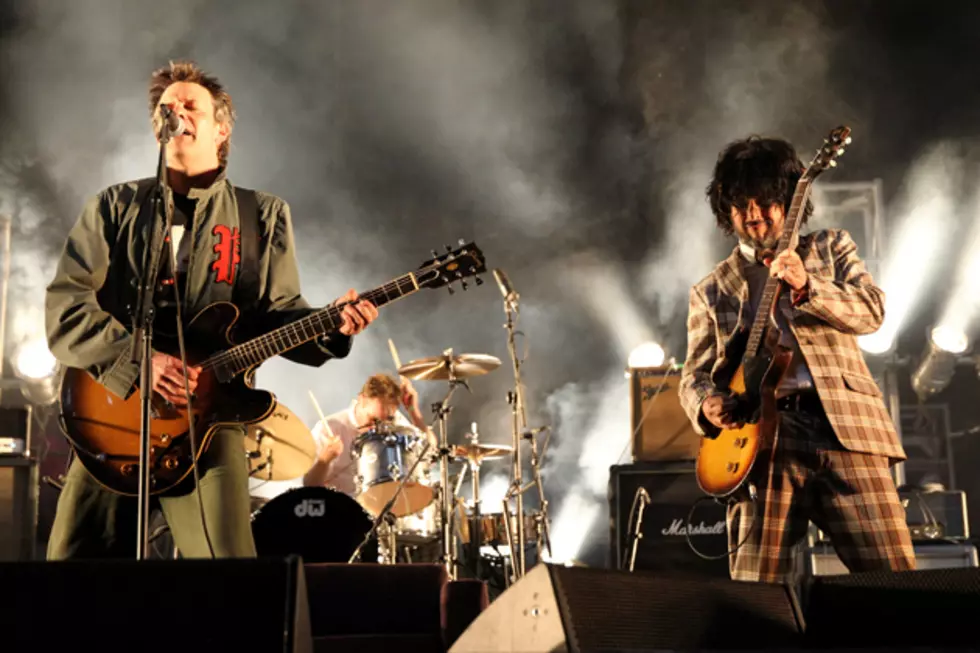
88, 303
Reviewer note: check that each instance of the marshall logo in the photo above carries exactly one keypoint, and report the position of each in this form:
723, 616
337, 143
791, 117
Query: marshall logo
228, 249
677, 527
311, 508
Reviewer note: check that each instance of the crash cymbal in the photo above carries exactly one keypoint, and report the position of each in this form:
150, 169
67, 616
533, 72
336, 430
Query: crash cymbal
481, 452
441, 368
280, 447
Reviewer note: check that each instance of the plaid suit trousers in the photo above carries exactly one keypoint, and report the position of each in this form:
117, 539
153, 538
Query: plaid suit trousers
850, 496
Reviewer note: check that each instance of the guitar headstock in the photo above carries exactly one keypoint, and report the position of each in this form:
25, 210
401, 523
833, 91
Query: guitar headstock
827, 155
455, 265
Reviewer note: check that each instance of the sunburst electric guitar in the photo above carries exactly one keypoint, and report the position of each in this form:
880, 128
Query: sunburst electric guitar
104, 429
724, 461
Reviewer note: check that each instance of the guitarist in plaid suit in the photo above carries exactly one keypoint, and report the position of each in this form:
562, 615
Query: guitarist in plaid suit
836, 441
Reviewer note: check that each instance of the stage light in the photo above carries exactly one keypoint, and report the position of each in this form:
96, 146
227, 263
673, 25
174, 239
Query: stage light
38, 371
938, 361
649, 354
878, 343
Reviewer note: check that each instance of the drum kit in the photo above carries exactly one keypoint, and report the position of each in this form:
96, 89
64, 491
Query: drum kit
399, 506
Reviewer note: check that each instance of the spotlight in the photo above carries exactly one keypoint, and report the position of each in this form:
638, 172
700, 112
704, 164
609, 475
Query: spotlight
878, 343
938, 361
649, 354
38, 371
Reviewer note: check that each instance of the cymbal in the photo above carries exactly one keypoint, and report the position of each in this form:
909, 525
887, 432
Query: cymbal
438, 368
481, 452
280, 447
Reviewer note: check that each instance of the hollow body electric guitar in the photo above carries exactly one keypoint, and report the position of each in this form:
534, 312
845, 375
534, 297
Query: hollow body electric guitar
104, 429
724, 461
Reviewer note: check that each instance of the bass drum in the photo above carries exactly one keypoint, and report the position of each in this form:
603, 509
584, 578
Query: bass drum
319, 524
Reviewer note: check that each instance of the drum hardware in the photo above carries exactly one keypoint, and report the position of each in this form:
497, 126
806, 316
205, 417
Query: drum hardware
320, 524
454, 369
386, 510
448, 367
381, 455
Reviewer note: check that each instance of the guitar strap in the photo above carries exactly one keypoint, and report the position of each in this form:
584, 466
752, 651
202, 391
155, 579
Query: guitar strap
246, 291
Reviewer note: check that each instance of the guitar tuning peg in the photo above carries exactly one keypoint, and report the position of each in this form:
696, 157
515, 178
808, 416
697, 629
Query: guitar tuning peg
478, 281
463, 284
450, 289
449, 248
461, 242
833, 164
847, 141
434, 254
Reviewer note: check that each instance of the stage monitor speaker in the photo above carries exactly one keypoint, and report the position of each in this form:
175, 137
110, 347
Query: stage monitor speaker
660, 427
930, 609
673, 489
559, 609
155, 606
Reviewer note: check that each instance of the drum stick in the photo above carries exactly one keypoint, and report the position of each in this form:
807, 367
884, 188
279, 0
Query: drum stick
394, 355
323, 419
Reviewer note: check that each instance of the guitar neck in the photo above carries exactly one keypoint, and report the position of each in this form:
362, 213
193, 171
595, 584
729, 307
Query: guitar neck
252, 352
771, 292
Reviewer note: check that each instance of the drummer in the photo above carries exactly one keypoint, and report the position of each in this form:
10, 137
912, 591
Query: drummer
378, 401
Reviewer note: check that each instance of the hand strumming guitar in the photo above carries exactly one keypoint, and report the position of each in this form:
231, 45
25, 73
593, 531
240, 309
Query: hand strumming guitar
168, 378
719, 410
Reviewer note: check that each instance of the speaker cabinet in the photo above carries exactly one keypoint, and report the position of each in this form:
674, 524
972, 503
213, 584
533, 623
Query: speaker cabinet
18, 508
927, 610
673, 490
155, 606
660, 427
567, 609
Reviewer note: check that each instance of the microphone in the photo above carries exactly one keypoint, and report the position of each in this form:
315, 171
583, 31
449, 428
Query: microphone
511, 296
174, 123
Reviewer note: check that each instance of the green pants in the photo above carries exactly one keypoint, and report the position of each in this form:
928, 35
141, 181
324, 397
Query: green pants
92, 522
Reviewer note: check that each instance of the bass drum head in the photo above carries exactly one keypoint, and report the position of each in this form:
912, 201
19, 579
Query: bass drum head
319, 524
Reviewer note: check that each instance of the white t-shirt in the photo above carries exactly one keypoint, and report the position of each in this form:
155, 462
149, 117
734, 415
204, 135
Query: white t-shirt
341, 472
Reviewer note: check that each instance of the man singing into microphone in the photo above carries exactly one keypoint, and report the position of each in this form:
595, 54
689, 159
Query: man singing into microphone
218, 232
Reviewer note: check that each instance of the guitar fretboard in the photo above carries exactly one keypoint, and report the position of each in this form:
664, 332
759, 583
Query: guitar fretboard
239, 358
770, 294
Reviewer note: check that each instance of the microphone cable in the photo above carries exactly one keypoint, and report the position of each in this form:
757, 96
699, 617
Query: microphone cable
187, 395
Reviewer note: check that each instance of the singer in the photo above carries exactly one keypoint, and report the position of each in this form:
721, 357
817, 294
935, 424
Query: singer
226, 244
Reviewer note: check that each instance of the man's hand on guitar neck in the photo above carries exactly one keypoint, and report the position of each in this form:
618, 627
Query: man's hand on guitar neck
355, 316
168, 378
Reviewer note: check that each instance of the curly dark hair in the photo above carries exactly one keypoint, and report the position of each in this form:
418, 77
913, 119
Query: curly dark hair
763, 169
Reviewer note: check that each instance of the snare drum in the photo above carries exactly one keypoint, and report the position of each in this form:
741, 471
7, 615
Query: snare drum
384, 457
319, 524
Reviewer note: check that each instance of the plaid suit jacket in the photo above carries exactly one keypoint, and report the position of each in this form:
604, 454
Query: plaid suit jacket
843, 303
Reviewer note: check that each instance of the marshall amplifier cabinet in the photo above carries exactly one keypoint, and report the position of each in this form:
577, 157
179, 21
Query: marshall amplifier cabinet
660, 427
673, 490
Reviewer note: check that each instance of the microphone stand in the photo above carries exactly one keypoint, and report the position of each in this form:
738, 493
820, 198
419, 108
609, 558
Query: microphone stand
519, 423
142, 337
638, 534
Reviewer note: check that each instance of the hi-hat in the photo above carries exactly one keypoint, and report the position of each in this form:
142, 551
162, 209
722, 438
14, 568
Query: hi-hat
443, 368
481, 452
280, 447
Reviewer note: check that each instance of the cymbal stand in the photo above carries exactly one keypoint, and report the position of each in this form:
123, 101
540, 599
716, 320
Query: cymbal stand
441, 411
